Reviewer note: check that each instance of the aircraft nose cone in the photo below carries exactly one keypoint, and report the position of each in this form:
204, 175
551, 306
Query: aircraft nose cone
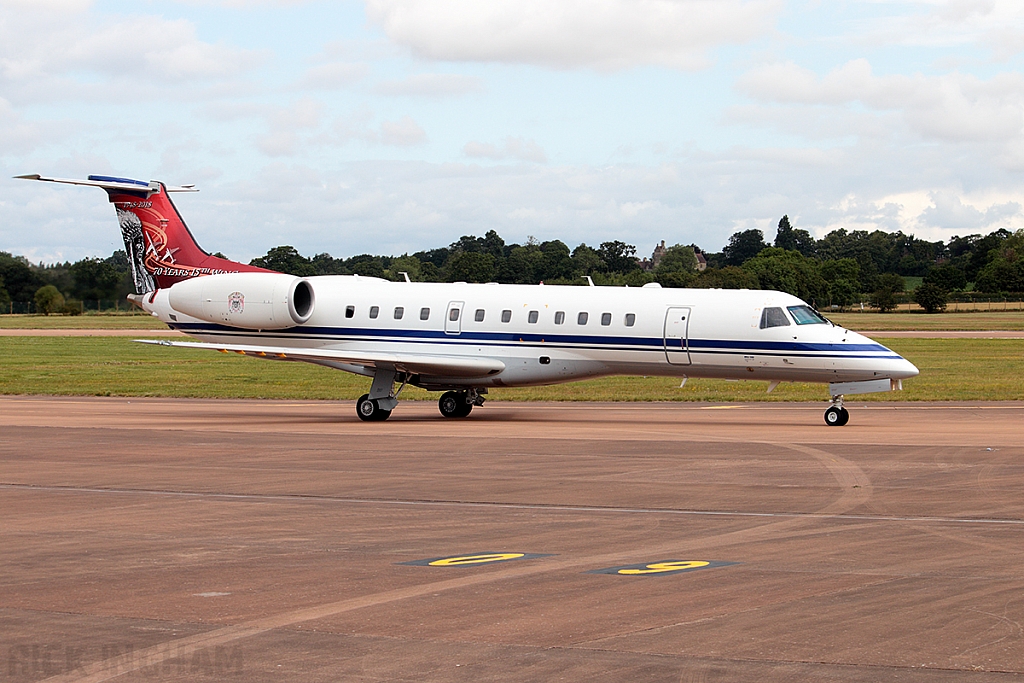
904, 369
896, 366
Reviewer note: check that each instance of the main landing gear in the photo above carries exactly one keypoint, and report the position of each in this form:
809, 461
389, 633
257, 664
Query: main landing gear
459, 403
377, 405
837, 415
369, 409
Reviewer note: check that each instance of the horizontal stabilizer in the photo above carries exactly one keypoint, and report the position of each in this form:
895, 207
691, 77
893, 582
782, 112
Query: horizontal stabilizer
110, 183
433, 366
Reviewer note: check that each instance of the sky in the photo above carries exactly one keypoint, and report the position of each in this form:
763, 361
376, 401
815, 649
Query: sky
392, 126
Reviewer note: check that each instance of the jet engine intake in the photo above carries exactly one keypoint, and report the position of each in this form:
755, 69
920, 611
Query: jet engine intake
252, 301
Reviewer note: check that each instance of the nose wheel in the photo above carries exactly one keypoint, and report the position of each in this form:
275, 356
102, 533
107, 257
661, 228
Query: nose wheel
837, 415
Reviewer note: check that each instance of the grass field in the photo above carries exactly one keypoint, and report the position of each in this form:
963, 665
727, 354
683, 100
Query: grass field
123, 321
979, 320
951, 369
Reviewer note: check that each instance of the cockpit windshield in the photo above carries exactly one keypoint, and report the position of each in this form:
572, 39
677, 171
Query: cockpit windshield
805, 315
773, 317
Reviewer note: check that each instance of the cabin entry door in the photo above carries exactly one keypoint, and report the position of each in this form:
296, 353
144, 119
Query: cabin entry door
453, 318
677, 338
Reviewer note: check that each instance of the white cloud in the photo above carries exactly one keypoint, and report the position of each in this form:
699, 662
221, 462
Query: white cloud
285, 123
600, 34
996, 26
512, 148
402, 133
951, 107
950, 212
68, 54
431, 86
18, 136
333, 75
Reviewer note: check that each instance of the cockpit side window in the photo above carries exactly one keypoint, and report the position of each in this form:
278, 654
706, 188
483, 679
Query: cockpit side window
805, 315
773, 317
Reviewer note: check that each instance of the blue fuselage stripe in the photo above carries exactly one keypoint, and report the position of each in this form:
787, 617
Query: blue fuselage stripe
575, 342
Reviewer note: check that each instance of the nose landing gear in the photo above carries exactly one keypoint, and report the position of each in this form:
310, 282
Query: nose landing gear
837, 415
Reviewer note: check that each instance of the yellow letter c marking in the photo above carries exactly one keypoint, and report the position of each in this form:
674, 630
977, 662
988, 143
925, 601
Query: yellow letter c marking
662, 567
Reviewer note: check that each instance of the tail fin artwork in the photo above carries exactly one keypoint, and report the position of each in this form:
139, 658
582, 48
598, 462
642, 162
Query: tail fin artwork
160, 248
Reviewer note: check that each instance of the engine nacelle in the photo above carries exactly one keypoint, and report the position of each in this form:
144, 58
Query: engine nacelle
254, 301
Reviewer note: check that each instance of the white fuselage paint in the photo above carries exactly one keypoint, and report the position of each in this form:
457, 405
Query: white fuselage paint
719, 338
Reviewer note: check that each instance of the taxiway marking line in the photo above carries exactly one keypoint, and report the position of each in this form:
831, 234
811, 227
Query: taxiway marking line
297, 498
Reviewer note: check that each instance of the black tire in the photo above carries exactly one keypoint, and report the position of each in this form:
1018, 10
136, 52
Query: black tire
369, 410
834, 417
454, 404
465, 407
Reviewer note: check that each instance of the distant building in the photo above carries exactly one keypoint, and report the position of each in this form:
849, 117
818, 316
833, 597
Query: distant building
702, 263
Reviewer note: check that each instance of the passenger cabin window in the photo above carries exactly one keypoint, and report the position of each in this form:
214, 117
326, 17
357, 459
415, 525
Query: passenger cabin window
399, 312
805, 315
424, 313
374, 312
559, 317
773, 317
606, 319
630, 319
506, 316
532, 317
479, 317
581, 319
350, 311
453, 314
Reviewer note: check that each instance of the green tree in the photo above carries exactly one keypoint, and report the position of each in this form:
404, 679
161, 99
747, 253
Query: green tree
885, 296
366, 264
21, 283
470, 266
586, 261
794, 240
842, 277
325, 264
95, 279
931, 297
618, 257
1001, 275
49, 300
556, 263
947, 277
406, 264
285, 259
675, 278
676, 259
5, 298
788, 271
743, 246
523, 264
730, 277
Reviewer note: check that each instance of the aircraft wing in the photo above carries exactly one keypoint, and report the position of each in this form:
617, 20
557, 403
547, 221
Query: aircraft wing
433, 366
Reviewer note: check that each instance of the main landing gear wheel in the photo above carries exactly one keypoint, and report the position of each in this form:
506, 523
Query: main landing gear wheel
369, 410
837, 416
454, 404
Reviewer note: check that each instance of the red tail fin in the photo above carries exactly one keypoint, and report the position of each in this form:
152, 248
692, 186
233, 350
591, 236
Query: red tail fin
156, 238
160, 248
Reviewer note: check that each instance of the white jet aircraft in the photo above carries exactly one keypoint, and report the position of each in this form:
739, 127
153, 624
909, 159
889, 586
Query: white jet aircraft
461, 339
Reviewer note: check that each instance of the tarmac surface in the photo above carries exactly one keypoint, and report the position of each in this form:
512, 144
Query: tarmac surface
161, 539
